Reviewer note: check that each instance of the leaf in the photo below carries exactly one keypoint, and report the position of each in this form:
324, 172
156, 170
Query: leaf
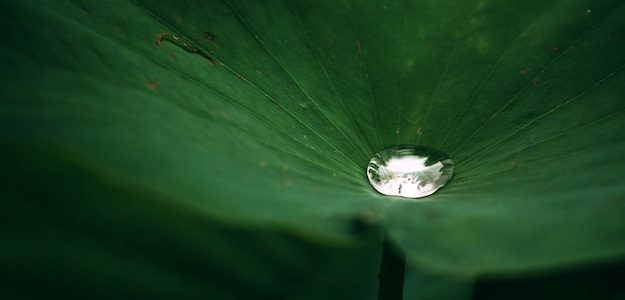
276, 133
98, 240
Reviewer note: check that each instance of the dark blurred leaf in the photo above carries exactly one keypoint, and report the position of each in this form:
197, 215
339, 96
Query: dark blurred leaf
96, 239
597, 282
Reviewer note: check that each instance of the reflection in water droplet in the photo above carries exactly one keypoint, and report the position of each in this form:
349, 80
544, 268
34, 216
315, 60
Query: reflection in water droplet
409, 171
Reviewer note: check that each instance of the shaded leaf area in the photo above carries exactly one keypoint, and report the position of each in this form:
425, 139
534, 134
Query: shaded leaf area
100, 240
525, 97
597, 282
602, 280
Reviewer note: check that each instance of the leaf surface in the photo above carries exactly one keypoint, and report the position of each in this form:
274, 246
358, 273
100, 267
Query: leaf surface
276, 133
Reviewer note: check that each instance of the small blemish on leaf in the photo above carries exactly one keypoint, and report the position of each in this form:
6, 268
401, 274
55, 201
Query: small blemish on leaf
418, 131
262, 163
209, 36
184, 44
153, 85
428, 215
524, 71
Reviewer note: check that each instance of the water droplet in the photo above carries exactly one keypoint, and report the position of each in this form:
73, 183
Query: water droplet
409, 171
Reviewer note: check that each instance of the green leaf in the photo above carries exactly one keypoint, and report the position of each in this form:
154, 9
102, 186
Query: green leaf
98, 240
270, 125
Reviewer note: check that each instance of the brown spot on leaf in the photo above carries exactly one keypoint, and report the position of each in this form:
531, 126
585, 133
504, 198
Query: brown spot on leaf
153, 85
209, 36
428, 215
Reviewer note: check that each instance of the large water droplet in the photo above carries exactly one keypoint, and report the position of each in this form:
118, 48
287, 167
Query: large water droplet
409, 171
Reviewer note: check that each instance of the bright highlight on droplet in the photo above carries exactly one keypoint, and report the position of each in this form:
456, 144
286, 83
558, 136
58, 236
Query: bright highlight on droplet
409, 171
